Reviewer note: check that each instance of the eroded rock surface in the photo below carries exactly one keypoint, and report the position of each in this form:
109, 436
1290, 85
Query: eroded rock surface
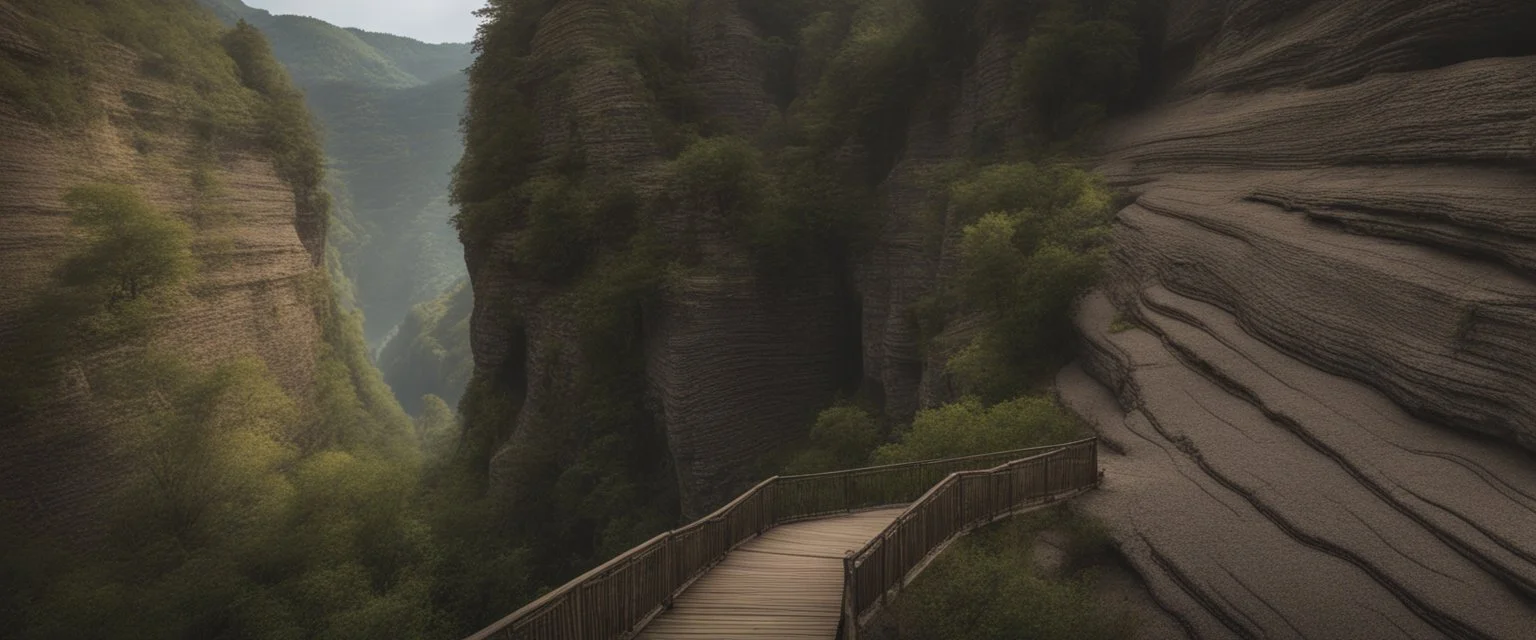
1320, 378
259, 253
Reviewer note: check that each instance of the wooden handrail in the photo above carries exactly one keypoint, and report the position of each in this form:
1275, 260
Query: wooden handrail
620, 596
960, 503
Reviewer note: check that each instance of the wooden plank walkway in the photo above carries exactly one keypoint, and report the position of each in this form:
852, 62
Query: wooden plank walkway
785, 584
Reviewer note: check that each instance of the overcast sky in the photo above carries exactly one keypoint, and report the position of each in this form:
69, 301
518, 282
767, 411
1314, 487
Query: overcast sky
427, 20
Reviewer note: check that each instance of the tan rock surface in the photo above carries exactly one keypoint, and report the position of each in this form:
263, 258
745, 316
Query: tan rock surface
249, 296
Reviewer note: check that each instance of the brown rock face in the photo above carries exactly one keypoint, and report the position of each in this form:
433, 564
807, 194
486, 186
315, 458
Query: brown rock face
249, 297
1329, 267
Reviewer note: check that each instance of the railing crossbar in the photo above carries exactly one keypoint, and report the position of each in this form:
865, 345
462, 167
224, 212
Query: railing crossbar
617, 598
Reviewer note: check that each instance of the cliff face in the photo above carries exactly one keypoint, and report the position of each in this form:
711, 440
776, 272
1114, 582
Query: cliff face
389, 109
736, 361
259, 249
1328, 266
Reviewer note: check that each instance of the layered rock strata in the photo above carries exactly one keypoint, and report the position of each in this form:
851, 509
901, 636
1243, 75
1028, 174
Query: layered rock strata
258, 250
1319, 378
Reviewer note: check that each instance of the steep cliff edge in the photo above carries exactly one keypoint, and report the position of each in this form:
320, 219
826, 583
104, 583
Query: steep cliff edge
172, 119
389, 109
1322, 310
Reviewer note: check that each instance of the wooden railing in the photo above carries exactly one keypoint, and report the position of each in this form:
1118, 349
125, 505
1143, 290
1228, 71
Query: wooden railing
622, 595
961, 502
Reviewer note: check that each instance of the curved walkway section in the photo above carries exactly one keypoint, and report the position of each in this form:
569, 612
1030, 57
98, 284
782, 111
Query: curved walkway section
745, 571
785, 584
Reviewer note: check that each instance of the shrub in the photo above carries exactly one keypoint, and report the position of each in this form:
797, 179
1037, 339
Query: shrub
135, 264
1036, 244
792, 210
723, 175
842, 438
1081, 59
968, 427
986, 586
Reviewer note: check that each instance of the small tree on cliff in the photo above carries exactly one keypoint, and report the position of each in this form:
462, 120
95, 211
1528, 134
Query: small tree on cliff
136, 254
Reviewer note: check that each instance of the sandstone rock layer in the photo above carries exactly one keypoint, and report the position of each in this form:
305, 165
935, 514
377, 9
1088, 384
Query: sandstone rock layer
253, 295
1319, 378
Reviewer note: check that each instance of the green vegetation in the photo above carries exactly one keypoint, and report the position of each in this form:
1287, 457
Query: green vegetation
248, 510
969, 427
287, 131
238, 523
135, 264
1036, 245
798, 198
987, 586
390, 108
841, 438
1082, 59
430, 356
136, 258
170, 37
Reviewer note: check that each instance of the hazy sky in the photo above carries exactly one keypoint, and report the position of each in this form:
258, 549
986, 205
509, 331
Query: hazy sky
428, 20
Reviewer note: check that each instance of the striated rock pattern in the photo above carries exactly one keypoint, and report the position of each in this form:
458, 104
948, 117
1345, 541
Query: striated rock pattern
521, 334
1324, 410
253, 293
736, 368
917, 247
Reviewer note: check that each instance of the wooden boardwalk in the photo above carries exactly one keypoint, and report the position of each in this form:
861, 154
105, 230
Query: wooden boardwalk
804, 556
785, 584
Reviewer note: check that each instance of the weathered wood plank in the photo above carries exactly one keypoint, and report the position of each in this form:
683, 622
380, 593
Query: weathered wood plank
786, 583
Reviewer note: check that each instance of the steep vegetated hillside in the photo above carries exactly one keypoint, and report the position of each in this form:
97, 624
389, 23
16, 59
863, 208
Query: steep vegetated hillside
196, 444
389, 111
431, 355
693, 226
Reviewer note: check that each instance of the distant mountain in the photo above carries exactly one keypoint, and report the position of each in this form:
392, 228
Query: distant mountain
317, 52
389, 108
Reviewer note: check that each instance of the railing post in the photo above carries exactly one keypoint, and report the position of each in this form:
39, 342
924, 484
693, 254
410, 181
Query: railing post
1048, 478
670, 555
850, 626
846, 502
1098, 474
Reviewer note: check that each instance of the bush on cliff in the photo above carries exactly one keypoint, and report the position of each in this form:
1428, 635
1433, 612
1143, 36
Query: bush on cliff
136, 258
1081, 59
987, 586
1037, 243
969, 427
841, 438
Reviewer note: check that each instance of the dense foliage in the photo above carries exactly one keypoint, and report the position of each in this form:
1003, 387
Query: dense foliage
1036, 247
987, 586
841, 438
247, 510
970, 427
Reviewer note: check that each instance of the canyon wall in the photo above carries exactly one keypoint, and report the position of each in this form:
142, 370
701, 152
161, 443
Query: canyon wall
1313, 354
389, 109
737, 362
258, 288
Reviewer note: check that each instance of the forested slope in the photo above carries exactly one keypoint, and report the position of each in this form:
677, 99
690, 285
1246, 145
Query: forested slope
196, 443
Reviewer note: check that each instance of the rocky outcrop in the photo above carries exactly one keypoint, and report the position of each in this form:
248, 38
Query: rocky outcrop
1320, 377
254, 293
